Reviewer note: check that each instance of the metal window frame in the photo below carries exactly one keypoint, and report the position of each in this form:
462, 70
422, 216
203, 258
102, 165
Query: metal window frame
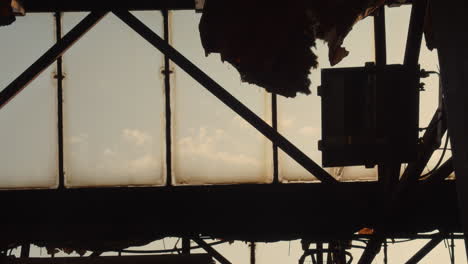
62, 45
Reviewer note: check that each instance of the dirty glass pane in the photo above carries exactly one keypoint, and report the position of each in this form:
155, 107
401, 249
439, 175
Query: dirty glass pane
299, 119
212, 144
113, 106
28, 133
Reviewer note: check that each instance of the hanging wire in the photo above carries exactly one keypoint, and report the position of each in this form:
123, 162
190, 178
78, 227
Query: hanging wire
439, 162
175, 249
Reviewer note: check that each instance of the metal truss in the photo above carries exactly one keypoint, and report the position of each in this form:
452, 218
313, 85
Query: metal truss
70, 38
388, 172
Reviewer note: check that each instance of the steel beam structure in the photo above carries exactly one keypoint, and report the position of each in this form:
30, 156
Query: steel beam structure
224, 96
389, 172
49, 57
451, 40
59, 76
91, 5
146, 259
442, 173
211, 251
430, 142
426, 249
415, 33
167, 96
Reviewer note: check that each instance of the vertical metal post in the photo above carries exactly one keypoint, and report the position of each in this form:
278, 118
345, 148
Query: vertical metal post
415, 33
186, 246
59, 77
167, 84
452, 247
449, 25
380, 37
25, 249
274, 118
389, 171
319, 252
385, 252
253, 248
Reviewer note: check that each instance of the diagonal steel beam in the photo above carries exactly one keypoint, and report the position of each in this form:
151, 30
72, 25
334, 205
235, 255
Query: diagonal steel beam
442, 173
430, 142
426, 249
49, 57
415, 33
211, 251
223, 95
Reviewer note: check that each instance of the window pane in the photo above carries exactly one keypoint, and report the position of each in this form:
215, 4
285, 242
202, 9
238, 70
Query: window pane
212, 144
28, 135
114, 104
299, 119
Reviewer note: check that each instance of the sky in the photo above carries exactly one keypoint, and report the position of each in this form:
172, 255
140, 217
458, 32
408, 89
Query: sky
114, 113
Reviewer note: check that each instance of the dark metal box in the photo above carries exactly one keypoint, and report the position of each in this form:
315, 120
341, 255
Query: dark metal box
369, 115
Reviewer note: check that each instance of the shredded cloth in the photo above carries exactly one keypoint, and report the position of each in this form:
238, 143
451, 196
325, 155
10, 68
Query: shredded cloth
270, 43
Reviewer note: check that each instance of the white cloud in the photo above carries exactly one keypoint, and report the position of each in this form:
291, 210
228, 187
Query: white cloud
82, 138
147, 162
205, 145
136, 136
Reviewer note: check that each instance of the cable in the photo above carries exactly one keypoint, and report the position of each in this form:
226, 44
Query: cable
164, 250
425, 74
440, 159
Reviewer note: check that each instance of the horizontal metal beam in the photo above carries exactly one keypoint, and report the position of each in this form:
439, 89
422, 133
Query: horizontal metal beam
224, 96
242, 212
91, 5
426, 249
146, 259
49, 57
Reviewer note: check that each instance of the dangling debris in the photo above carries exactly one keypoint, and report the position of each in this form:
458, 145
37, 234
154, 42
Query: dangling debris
270, 43
6, 13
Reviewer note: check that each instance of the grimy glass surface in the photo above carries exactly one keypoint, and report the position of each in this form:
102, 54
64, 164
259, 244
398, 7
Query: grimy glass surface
28, 131
212, 144
113, 106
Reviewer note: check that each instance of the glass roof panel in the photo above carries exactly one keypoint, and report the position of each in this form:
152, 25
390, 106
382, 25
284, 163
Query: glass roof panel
28, 133
212, 144
114, 106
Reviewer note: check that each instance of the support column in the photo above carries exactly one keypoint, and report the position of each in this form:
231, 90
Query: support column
451, 40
